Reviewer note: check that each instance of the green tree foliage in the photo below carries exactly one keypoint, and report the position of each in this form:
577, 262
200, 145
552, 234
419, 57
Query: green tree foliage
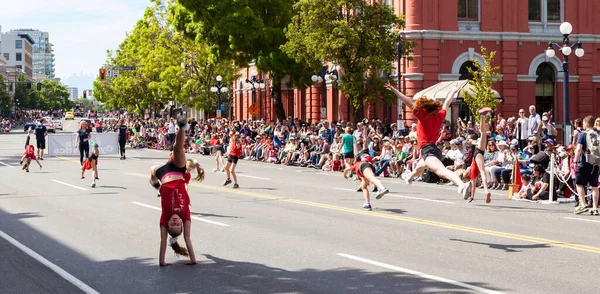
5, 99
355, 34
169, 66
53, 96
484, 77
245, 31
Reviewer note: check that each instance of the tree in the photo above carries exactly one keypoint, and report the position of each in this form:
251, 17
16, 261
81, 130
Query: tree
245, 32
355, 34
5, 99
482, 94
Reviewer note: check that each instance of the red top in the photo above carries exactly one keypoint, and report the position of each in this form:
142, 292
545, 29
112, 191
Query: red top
235, 149
187, 177
174, 199
356, 169
428, 129
30, 150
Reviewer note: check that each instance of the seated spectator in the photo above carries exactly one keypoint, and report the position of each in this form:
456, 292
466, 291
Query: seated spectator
541, 190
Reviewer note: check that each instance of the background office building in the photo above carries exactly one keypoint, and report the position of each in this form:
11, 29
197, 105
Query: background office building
43, 52
73, 93
17, 50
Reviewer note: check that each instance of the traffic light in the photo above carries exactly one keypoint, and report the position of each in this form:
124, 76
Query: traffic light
39, 86
102, 74
159, 105
84, 94
28, 85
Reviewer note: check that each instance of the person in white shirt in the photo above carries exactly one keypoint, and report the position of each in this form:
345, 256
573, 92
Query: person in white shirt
171, 130
522, 129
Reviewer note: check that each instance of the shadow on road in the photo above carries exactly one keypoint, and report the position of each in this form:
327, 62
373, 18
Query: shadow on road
506, 248
212, 215
214, 274
393, 210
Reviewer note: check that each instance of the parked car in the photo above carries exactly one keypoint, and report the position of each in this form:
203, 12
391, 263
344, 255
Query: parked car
69, 115
58, 124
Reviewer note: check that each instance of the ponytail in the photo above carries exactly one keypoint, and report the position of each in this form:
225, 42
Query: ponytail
200, 172
178, 249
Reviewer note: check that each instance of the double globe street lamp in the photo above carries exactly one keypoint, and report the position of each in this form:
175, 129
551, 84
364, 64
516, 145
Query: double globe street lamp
322, 77
252, 84
566, 49
219, 88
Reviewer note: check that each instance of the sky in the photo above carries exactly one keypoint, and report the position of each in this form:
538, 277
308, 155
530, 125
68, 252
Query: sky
81, 31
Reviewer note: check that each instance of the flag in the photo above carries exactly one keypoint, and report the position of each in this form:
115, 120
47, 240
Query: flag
517, 175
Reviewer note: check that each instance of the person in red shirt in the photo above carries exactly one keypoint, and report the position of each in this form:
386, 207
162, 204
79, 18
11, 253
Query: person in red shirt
235, 152
28, 155
175, 218
431, 114
91, 163
478, 165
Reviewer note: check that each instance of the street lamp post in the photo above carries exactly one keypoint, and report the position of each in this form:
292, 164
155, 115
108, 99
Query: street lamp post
254, 83
565, 49
323, 76
219, 88
400, 121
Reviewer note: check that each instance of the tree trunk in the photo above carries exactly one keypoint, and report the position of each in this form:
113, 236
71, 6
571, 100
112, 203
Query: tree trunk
276, 96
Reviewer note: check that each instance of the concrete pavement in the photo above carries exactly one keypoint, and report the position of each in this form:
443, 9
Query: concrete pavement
286, 230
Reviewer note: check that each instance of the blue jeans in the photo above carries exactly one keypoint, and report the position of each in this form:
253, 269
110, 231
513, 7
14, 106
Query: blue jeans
383, 164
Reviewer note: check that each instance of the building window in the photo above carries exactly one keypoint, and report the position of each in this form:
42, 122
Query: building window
544, 87
468, 9
18, 57
387, 2
18, 44
19, 66
464, 70
7, 56
545, 10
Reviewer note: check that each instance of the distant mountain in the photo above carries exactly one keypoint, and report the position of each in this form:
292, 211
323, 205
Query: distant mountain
81, 80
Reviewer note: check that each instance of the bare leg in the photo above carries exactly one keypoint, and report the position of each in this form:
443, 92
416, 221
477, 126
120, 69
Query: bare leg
233, 175
227, 170
178, 151
364, 185
481, 166
438, 168
370, 177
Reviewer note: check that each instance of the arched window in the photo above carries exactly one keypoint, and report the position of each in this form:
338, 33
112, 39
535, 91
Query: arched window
464, 70
544, 87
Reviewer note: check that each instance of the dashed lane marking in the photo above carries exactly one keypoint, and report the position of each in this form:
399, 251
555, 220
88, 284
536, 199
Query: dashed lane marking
69, 185
419, 274
6, 164
530, 239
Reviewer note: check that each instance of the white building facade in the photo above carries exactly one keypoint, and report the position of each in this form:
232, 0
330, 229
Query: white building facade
17, 50
43, 52
73, 93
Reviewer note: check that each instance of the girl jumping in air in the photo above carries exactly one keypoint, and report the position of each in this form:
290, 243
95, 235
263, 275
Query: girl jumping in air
91, 163
175, 218
431, 114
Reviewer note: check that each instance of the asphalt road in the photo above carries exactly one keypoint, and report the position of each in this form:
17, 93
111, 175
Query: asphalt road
286, 230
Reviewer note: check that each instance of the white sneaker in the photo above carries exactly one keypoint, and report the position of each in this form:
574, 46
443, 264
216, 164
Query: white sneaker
465, 190
215, 170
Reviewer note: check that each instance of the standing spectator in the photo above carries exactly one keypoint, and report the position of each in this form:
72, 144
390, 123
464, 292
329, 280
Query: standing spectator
535, 122
522, 129
585, 172
40, 136
171, 133
348, 147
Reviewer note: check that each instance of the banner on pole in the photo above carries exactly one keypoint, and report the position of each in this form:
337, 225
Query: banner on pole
66, 144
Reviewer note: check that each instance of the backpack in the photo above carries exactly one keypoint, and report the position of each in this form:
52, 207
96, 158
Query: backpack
592, 139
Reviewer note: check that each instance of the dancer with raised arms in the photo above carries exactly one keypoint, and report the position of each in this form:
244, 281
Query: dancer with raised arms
431, 114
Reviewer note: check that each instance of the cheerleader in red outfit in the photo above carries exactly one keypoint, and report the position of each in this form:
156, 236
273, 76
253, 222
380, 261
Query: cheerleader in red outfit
91, 163
175, 218
28, 155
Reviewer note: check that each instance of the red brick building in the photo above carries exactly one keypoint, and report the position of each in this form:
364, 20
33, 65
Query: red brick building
449, 34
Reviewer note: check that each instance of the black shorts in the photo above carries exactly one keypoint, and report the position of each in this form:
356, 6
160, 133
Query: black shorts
349, 154
431, 150
219, 147
41, 144
587, 174
364, 166
478, 151
233, 159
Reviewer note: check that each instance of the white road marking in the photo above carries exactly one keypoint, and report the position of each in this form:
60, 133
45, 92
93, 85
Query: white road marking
582, 219
401, 196
193, 217
419, 274
65, 275
72, 186
253, 177
5, 164
134, 158
156, 162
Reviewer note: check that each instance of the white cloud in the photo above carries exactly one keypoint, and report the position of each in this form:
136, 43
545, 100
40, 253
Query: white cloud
81, 30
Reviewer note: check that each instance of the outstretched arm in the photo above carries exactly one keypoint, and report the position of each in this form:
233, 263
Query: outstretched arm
163, 247
450, 97
400, 96
187, 227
